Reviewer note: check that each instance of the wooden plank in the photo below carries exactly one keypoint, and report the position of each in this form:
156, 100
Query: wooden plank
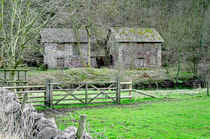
102, 102
5, 76
62, 95
32, 97
67, 99
23, 87
83, 89
109, 93
31, 92
145, 94
77, 98
105, 82
72, 99
37, 105
82, 94
25, 75
91, 99
16, 81
13, 69
49, 91
89, 103
69, 94
123, 97
126, 90
108, 96
125, 83
105, 98
86, 93
130, 88
118, 91
61, 104
18, 75
35, 101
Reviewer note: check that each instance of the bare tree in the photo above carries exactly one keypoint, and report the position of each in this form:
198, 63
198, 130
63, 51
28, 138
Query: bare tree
19, 24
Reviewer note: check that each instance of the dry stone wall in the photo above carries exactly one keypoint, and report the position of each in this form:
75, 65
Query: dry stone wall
31, 123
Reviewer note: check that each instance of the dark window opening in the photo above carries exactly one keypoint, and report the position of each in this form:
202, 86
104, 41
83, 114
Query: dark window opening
111, 60
60, 62
100, 61
139, 62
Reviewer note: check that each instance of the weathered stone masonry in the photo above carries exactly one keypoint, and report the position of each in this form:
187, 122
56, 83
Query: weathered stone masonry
35, 125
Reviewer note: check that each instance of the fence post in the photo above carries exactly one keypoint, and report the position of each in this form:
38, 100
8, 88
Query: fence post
118, 91
130, 88
81, 128
5, 77
48, 93
86, 93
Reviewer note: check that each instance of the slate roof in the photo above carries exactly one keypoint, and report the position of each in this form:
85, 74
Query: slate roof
62, 35
135, 34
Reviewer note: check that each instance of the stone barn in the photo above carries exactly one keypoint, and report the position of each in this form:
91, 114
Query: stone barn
135, 47
61, 48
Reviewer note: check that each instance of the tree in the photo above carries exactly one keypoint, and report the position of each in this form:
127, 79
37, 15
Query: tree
197, 19
20, 22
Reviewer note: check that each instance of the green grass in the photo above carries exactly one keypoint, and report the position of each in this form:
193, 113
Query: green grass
185, 119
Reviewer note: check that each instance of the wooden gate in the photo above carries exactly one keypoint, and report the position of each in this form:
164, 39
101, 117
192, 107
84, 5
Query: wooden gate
52, 94
81, 93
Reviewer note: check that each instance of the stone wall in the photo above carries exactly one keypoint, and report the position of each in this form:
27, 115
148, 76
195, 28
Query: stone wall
30, 122
137, 55
69, 52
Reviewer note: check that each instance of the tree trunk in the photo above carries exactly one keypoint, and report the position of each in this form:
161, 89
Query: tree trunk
89, 46
76, 31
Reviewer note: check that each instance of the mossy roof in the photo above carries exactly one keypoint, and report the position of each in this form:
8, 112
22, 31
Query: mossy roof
123, 34
62, 35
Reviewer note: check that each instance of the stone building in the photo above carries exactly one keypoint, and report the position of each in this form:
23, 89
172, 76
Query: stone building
135, 47
61, 49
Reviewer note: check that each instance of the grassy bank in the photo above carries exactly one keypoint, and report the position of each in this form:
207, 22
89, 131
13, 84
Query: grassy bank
169, 119
146, 76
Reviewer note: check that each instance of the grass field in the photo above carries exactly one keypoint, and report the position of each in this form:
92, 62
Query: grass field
182, 116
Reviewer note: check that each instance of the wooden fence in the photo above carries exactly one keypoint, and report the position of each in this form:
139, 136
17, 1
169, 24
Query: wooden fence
52, 94
34, 94
11, 77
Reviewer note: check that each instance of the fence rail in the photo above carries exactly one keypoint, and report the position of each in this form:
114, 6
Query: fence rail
52, 94
11, 77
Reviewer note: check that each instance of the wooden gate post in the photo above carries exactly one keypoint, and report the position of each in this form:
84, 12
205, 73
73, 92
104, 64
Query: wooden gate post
81, 128
118, 91
130, 87
86, 93
48, 93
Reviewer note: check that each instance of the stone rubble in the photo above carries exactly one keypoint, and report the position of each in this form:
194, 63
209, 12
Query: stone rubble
40, 127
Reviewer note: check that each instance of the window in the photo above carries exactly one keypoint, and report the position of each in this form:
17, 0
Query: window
60, 47
139, 62
60, 62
